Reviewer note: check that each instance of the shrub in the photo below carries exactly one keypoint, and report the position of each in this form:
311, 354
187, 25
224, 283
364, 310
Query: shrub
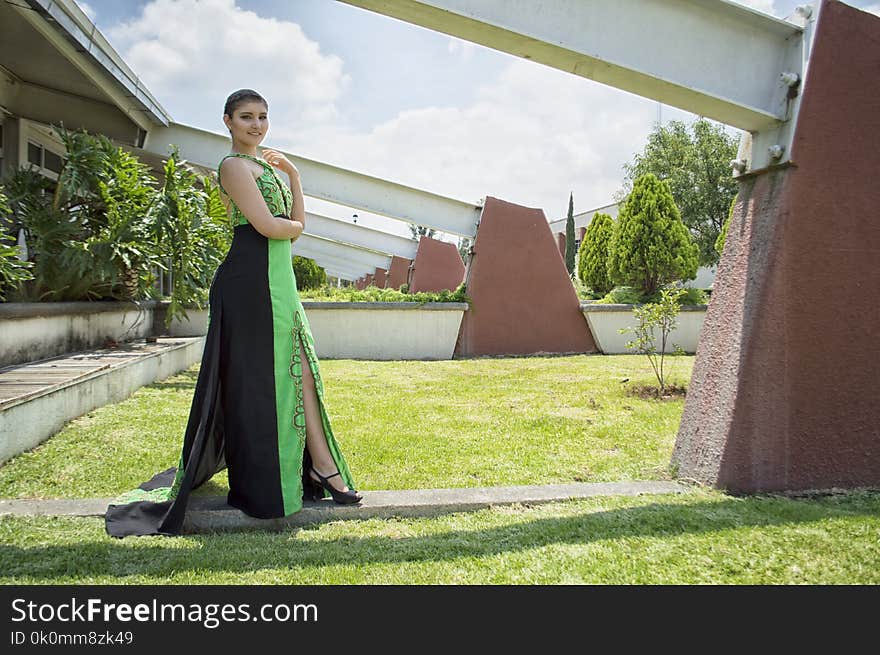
651, 246
583, 291
49, 232
105, 227
119, 248
623, 296
375, 294
693, 296
632, 296
593, 254
13, 271
308, 274
191, 229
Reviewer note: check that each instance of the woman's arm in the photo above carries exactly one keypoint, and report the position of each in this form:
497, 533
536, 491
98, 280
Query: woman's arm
279, 160
298, 211
241, 186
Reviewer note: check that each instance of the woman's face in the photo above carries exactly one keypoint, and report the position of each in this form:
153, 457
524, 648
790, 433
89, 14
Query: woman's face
249, 122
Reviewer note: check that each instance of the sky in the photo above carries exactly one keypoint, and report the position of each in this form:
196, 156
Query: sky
383, 97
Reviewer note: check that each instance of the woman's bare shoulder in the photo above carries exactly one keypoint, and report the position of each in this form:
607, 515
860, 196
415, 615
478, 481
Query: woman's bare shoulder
233, 167
238, 164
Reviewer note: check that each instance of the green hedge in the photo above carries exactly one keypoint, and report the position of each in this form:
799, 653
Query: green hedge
375, 294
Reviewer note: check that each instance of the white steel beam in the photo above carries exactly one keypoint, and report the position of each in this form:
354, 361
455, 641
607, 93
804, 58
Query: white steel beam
714, 58
358, 235
340, 270
304, 248
342, 275
333, 183
357, 259
332, 268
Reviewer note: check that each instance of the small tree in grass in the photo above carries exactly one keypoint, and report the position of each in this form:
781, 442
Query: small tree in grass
651, 246
653, 320
593, 255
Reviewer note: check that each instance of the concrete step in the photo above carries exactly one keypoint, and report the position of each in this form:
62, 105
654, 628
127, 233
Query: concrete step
38, 398
211, 513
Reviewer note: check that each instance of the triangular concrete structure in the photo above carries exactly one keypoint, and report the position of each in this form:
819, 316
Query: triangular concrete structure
523, 300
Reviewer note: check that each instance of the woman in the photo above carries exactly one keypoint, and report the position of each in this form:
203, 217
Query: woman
258, 406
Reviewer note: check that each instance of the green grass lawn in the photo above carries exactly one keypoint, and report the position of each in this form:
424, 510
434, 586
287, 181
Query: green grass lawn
402, 425
696, 538
446, 424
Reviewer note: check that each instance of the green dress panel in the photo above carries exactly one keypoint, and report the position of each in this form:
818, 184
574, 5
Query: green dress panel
278, 198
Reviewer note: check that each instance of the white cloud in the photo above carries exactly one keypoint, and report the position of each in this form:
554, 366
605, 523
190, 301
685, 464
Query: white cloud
462, 48
192, 54
530, 137
87, 10
873, 9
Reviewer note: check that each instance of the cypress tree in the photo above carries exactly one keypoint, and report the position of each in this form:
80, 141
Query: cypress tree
695, 162
569, 237
593, 254
651, 246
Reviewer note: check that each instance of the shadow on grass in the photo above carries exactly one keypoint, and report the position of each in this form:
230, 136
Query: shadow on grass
248, 552
184, 380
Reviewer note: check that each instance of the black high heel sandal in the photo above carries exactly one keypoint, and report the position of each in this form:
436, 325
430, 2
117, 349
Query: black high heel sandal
341, 497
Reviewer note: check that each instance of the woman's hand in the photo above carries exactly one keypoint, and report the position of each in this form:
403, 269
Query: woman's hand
279, 161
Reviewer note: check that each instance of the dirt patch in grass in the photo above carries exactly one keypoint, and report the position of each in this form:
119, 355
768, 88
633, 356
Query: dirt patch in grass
652, 392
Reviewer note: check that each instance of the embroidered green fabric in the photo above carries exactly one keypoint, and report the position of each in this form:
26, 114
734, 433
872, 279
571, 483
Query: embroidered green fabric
277, 195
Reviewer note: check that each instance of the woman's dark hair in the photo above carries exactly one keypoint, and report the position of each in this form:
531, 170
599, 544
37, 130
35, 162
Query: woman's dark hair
240, 96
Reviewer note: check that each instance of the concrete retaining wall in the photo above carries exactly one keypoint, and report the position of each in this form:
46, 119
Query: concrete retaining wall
33, 331
385, 330
25, 424
606, 320
357, 330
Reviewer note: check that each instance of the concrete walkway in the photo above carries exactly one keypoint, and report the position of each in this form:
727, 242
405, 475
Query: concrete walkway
211, 513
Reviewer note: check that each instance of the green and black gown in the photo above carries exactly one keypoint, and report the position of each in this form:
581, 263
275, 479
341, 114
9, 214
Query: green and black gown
247, 412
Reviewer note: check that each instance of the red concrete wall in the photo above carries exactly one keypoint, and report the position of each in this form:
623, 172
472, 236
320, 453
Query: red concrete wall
368, 279
523, 299
380, 277
437, 266
398, 274
784, 392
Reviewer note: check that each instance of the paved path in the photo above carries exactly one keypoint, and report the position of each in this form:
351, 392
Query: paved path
210, 513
